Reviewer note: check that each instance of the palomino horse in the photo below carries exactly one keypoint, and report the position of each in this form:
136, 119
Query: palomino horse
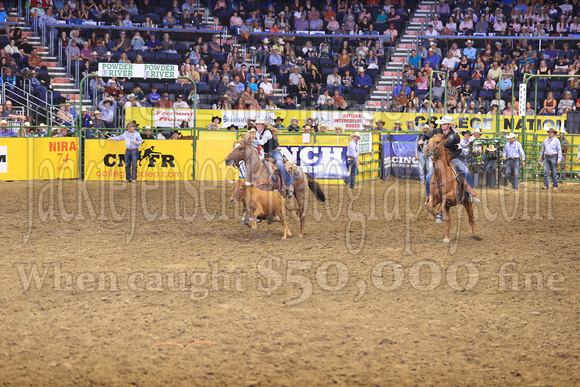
445, 188
257, 173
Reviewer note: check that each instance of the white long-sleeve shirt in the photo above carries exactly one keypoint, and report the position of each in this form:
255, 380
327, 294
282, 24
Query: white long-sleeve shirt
129, 138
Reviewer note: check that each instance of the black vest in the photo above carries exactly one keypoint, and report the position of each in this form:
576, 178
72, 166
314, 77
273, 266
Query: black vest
271, 144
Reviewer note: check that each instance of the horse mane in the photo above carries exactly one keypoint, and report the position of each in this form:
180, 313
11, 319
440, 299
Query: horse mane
446, 152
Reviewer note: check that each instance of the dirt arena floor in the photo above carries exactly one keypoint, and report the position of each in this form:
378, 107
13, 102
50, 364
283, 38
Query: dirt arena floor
95, 278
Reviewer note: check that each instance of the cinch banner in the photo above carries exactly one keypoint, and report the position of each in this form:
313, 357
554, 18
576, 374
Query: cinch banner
158, 160
322, 162
138, 70
39, 158
399, 156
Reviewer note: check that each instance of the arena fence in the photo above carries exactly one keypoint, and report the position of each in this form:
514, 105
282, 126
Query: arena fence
199, 153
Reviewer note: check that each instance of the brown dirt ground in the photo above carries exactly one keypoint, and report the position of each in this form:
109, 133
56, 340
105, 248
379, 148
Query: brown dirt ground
485, 335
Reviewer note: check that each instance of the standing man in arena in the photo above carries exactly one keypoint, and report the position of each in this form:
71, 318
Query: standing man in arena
132, 140
420, 156
352, 162
269, 143
551, 157
512, 153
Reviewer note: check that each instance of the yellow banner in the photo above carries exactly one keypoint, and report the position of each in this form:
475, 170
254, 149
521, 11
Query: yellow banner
487, 123
39, 158
158, 160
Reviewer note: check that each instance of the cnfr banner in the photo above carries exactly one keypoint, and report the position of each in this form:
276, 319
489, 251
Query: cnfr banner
158, 160
39, 158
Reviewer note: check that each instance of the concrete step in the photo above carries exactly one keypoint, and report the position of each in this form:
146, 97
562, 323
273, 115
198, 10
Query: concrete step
69, 87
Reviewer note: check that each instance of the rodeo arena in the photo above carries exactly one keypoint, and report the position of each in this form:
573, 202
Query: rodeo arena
304, 193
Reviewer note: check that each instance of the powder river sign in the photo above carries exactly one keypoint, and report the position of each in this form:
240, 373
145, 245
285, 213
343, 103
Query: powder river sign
138, 70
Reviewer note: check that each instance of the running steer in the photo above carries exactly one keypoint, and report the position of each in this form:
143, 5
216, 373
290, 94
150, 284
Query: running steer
259, 204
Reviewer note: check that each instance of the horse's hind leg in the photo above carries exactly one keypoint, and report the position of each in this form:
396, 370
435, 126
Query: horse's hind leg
301, 198
469, 208
447, 222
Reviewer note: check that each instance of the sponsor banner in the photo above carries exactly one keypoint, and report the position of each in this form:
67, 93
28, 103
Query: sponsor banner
349, 121
385, 155
3, 159
166, 118
39, 158
137, 70
56, 157
366, 142
240, 117
402, 158
322, 162
158, 160
485, 122
398, 156
170, 118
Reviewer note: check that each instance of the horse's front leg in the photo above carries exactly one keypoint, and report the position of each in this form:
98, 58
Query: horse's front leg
447, 222
440, 215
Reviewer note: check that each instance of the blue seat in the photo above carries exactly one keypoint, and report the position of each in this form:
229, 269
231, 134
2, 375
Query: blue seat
475, 83
486, 94
203, 88
161, 57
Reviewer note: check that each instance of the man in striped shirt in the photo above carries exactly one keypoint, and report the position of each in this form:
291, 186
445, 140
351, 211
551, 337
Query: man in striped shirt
551, 155
132, 140
512, 153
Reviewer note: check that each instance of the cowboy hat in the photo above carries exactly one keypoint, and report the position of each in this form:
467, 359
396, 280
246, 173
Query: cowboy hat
219, 118
355, 134
279, 118
3, 122
552, 130
397, 122
491, 148
381, 121
253, 130
97, 112
466, 132
445, 120
511, 135
261, 121
477, 130
147, 128
234, 127
266, 40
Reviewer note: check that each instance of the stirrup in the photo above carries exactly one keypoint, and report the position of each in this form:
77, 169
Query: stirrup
473, 199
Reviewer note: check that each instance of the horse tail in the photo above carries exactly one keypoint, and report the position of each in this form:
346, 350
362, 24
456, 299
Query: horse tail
315, 187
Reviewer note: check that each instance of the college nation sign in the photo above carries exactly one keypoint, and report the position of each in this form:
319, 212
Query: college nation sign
138, 70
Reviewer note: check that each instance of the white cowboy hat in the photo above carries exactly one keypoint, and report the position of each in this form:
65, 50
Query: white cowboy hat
147, 127
355, 134
477, 130
511, 135
266, 40
252, 130
397, 122
3, 122
491, 148
445, 120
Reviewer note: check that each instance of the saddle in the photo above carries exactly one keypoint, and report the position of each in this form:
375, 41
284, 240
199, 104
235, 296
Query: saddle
462, 182
274, 180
